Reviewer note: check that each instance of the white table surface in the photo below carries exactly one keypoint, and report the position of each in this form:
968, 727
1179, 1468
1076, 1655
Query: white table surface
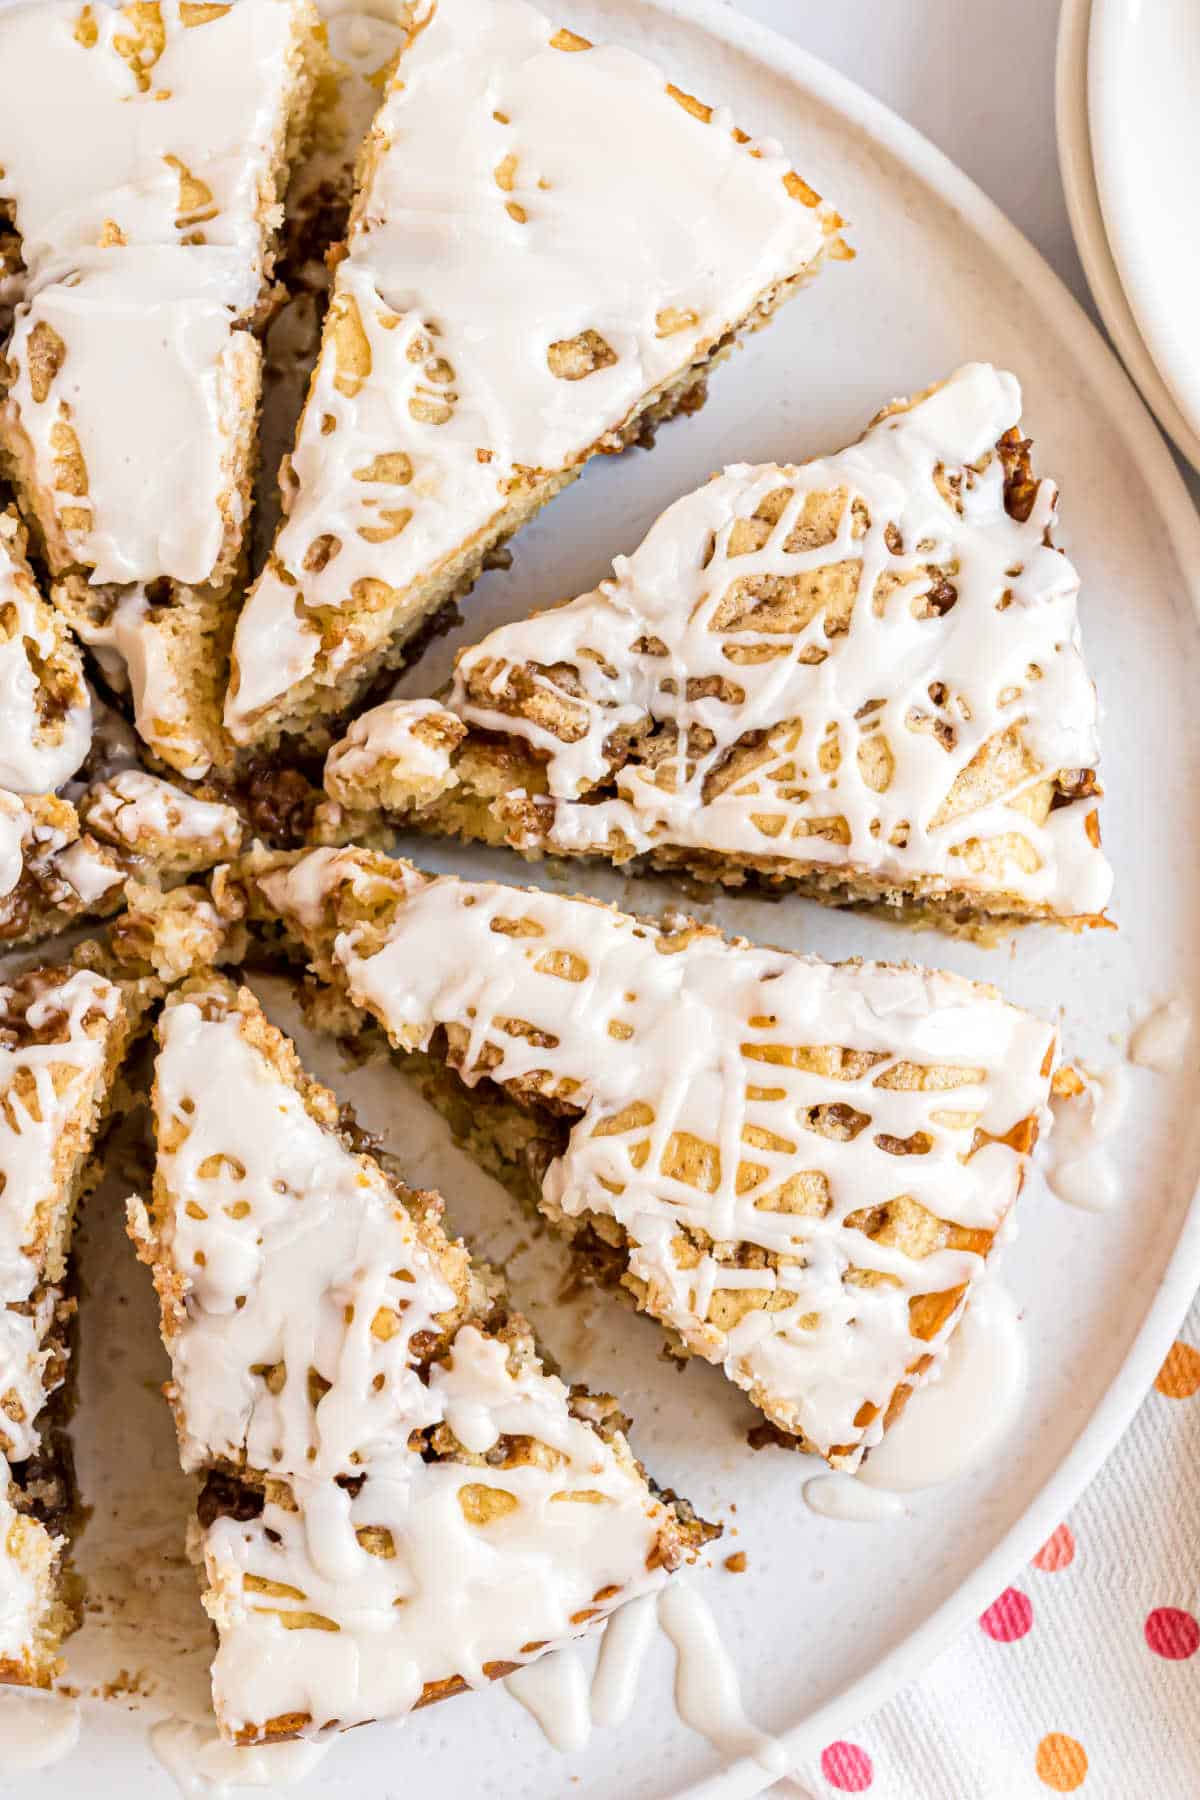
976, 78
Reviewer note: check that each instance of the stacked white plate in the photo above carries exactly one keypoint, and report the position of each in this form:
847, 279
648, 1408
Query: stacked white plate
1128, 104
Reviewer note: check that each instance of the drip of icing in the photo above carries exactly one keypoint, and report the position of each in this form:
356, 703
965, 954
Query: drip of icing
911, 726
627, 1637
1089, 1182
748, 1096
205, 1767
513, 288
555, 1691
1078, 1168
848, 1498
36, 1732
953, 1421
1160, 1040
707, 1691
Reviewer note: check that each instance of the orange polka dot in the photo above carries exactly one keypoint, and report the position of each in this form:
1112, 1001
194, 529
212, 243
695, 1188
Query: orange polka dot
1179, 1376
1058, 1551
1061, 1762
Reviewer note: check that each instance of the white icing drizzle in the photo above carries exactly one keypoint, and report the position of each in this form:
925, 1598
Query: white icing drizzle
847, 1498
142, 256
209, 100
1078, 1168
627, 1637
36, 755
159, 389
955, 1421
36, 1731
87, 872
398, 732
1161, 1039
502, 217
745, 1112
554, 1690
204, 1767
866, 725
132, 806
707, 1690
305, 1285
135, 655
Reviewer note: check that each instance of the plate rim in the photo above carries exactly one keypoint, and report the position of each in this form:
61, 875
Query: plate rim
1108, 30
1098, 1436
1077, 172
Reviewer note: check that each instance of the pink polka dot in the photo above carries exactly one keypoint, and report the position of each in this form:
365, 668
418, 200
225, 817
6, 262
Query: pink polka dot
1009, 1617
847, 1768
1058, 1551
1172, 1633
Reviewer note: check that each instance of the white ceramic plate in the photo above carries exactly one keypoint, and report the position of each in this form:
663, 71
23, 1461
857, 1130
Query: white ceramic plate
1087, 224
830, 1618
1144, 112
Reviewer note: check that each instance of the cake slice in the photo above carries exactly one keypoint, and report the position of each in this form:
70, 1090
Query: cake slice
144, 151
798, 1167
64, 1034
400, 1502
526, 282
860, 677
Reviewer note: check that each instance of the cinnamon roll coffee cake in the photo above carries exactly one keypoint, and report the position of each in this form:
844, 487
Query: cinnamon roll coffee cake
550, 245
400, 1500
859, 677
799, 1168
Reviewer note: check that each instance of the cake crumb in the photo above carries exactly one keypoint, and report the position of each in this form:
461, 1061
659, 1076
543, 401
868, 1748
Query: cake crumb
736, 1564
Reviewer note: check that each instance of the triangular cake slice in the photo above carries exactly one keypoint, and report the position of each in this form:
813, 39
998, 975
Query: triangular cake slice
798, 1167
525, 283
860, 677
65, 1031
143, 153
400, 1502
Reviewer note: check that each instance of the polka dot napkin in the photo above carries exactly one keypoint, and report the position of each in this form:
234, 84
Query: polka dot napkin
1083, 1676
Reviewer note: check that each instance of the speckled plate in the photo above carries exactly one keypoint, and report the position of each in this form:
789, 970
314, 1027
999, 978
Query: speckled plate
829, 1618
